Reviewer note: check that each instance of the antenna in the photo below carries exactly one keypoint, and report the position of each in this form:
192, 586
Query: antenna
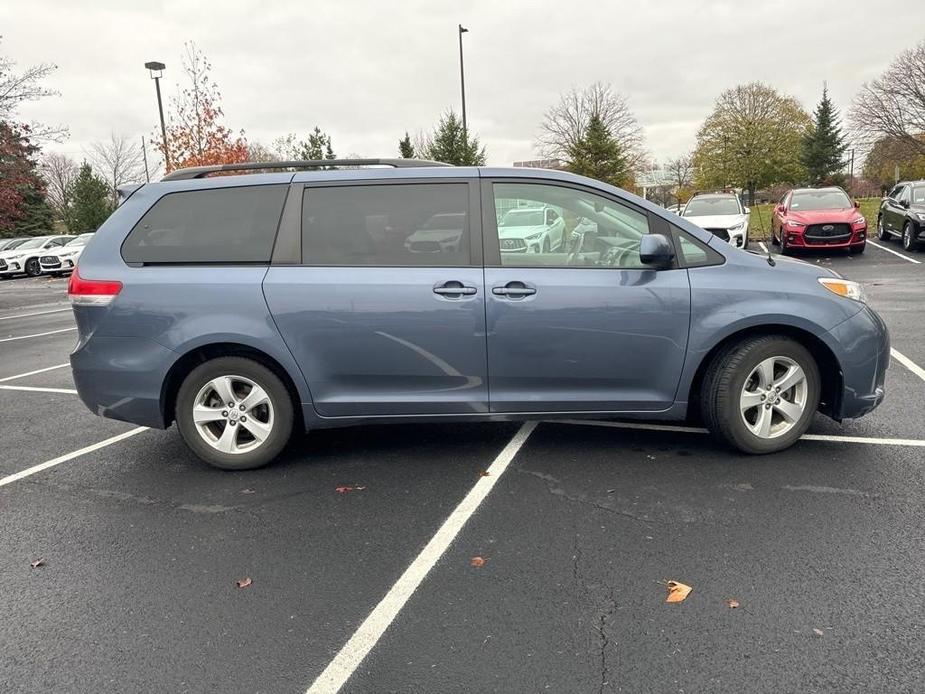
771, 260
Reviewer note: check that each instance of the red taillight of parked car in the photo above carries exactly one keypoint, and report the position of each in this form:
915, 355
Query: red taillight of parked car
83, 292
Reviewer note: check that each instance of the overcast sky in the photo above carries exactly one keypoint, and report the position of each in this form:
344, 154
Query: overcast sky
367, 70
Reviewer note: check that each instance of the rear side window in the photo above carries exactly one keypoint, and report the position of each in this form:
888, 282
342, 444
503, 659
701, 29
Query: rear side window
386, 225
219, 225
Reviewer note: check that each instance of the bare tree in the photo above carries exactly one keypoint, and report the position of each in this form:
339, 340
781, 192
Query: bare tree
564, 125
118, 161
59, 172
17, 88
893, 105
680, 171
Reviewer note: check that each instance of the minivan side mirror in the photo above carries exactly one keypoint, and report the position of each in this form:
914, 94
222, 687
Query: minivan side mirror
857, 204
748, 210
904, 203
656, 250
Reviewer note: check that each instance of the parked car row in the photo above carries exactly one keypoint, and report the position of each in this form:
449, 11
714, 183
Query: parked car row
36, 255
902, 215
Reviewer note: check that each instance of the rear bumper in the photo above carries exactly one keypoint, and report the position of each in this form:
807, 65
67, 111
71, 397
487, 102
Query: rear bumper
865, 356
121, 378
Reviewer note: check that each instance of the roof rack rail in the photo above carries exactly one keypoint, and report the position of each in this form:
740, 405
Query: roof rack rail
203, 171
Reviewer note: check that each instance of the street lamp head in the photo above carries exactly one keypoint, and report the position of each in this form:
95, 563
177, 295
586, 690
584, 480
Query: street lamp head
463, 30
155, 67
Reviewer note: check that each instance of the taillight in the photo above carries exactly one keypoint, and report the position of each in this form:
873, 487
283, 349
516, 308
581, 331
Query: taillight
83, 292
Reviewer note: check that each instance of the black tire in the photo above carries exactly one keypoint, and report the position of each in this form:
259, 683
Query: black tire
910, 243
857, 250
774, 241
546, 245
725, 379
32, 267
283, 416
784, 248
882, 233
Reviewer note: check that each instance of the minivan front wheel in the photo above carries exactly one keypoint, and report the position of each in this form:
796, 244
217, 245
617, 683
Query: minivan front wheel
760, 395
234, 413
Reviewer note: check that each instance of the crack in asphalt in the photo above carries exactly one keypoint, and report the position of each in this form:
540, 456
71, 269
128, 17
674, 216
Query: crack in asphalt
549, 480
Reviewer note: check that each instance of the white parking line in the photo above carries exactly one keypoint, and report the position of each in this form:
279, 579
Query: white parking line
9, 479
764, 249
349, 657
33, 373
26, 337
37, 313
915, 443
34, 389
908, 363
890, 250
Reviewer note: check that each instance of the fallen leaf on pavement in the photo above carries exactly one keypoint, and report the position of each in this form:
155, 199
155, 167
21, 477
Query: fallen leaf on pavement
343, 490
732, 603
484, 473
37, 563
477, 561
677, 592
818, 632
247, 491
244, 582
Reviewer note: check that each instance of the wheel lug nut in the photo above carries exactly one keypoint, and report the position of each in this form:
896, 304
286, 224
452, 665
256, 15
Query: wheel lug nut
230, 404
232, 422
763, 397
224, 413
242, 408
243, 418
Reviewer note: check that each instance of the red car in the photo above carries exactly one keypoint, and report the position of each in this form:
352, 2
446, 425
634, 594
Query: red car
818, 218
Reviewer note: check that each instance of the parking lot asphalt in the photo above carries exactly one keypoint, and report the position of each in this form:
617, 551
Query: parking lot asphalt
822, 545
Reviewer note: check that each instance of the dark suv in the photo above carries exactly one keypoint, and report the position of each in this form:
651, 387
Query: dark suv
902, 214
246, 307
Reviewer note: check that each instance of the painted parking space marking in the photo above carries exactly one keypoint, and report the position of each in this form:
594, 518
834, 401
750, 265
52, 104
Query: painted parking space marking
832, 438
764, 249
26, 337
908, 363
37, 313
9, 479
36, 389
896, 253
348, 659
33, 373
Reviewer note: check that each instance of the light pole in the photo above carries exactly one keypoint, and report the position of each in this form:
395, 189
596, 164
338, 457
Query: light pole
462, 83
155, 69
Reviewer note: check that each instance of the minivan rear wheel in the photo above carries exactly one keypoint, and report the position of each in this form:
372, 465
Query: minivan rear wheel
234, 413
760, 395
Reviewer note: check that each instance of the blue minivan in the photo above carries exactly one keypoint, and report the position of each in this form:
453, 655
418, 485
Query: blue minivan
245, 302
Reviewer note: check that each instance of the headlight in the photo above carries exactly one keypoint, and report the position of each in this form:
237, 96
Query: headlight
921, 216
859, 220
791, 223
534, 237
737, 227
15, 257
845, 288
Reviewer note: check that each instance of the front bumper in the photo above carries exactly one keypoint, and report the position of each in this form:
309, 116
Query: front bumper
11, 267
56, 265
864, 356
797, 239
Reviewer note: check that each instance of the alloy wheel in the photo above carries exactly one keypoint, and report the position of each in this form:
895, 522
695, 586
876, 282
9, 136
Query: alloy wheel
233, 414
908, 241
773, 398
881, 232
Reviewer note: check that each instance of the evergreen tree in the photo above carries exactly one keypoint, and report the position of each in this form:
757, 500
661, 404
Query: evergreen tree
90, 197
451, 145
318, 146
405, 147
824, 146
598, 155
23, 208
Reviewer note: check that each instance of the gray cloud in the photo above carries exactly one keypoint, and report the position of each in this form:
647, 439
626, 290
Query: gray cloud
366, 71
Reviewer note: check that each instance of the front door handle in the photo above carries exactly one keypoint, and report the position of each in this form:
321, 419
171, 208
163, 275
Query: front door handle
515, 290
454, 289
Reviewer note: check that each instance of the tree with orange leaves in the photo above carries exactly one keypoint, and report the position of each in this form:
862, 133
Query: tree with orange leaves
196, 135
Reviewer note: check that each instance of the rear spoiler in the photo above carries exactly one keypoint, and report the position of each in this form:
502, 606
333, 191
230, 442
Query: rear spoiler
126, 191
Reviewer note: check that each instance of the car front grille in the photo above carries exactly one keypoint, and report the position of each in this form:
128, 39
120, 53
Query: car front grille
722, 233
424, 247
2, 264
513, 244
827, 233
49, 260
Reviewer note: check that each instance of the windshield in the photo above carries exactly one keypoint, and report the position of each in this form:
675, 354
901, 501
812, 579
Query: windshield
819, 200
522, 218
33, 243
14, 244
918, 195
443, 222
703, 207
79, 241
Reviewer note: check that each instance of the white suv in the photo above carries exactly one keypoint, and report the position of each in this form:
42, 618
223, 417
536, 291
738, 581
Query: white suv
722, 214
531, 230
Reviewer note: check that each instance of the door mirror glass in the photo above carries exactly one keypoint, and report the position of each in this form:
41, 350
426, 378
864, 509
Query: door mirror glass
655, 250
748, 210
